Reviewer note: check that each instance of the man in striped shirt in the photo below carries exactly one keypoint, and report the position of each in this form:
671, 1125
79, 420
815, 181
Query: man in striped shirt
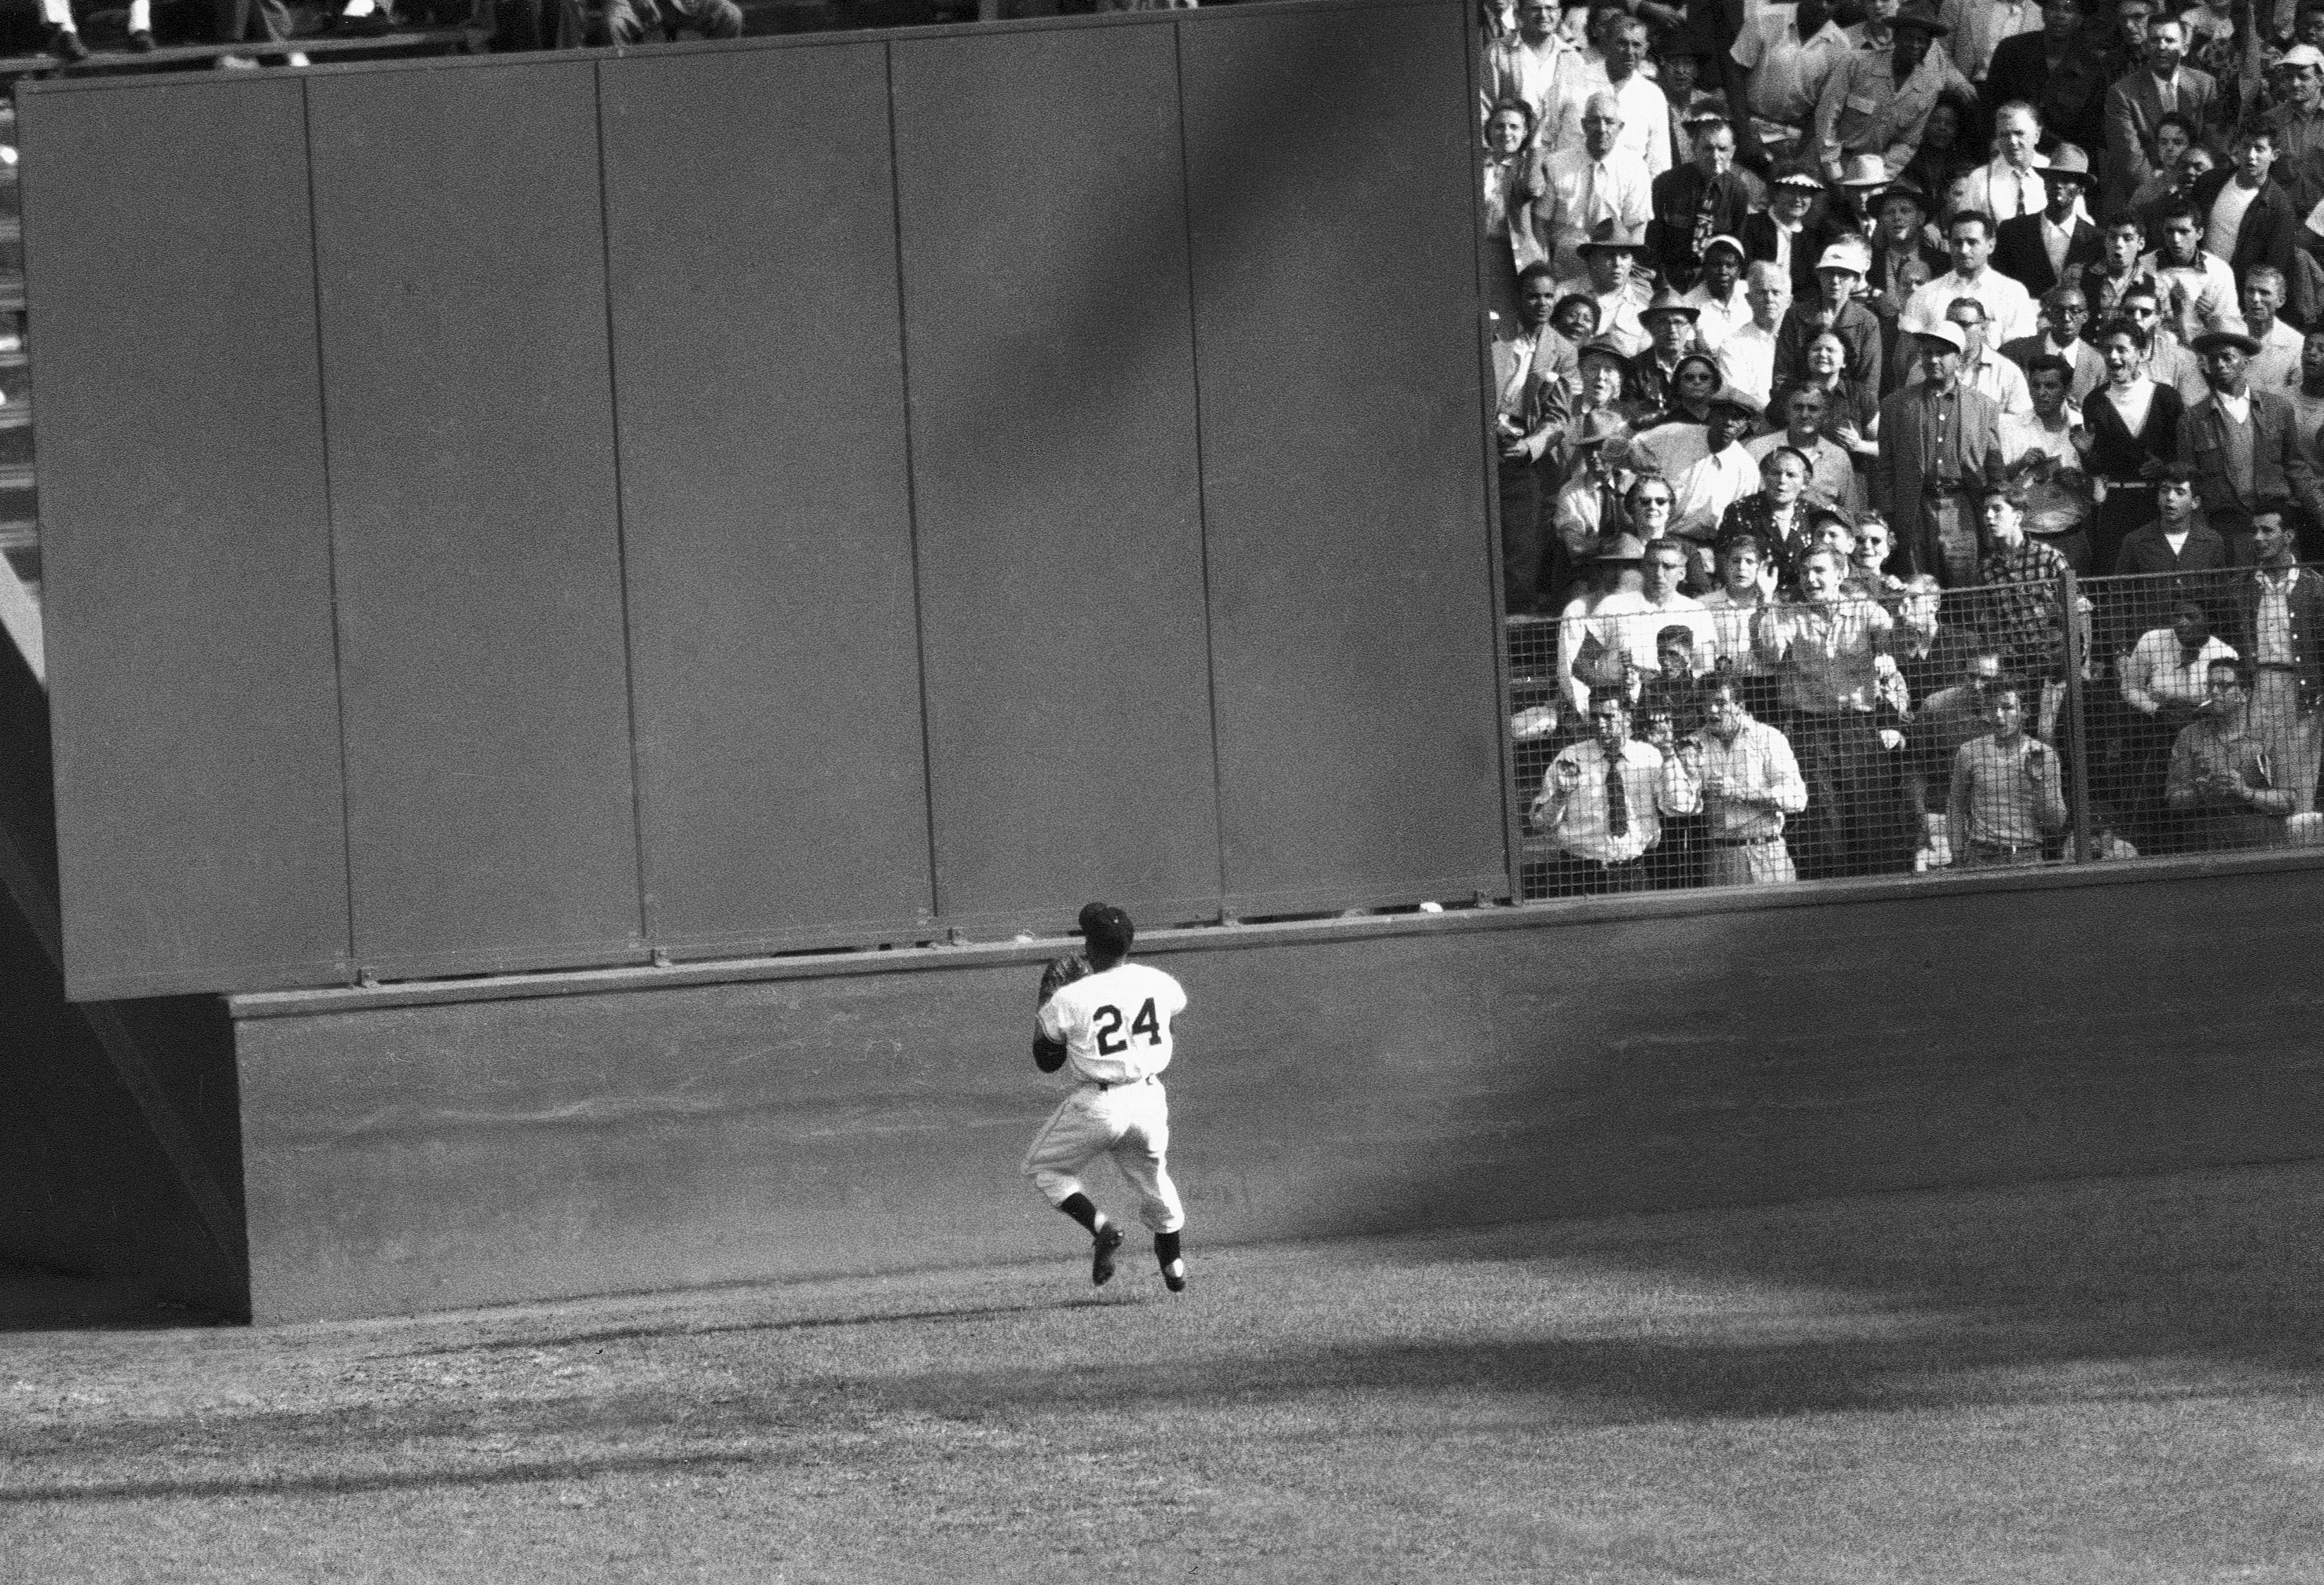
2008, 790
1743, 774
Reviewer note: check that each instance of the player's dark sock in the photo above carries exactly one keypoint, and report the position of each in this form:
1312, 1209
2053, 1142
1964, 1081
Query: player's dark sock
1166, 1248
1083, 1209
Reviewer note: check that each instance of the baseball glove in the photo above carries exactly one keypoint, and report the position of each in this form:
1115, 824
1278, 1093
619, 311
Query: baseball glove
1049, 1056
1060, 973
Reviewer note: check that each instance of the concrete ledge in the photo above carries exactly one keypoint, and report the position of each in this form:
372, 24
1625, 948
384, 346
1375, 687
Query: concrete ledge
641, 1129
1579, 912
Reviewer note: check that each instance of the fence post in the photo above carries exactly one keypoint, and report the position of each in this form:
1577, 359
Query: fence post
2077, 733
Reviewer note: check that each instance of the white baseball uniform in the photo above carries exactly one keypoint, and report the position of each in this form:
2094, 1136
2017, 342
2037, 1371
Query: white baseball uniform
1116, 1029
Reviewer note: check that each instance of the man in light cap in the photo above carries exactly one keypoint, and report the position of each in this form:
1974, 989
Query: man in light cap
1839, 272
1940, 446
2242, 446
2299, 126
1109, 1032
1721, 307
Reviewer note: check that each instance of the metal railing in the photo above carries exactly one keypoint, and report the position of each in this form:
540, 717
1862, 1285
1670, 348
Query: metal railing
1899, 731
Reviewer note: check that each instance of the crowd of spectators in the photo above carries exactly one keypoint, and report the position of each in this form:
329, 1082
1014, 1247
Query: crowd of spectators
1827, 340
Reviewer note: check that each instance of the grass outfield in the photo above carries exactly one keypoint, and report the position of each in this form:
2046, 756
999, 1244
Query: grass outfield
2105, 1381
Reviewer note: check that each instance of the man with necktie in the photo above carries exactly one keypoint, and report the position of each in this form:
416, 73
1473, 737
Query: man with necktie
1602, 801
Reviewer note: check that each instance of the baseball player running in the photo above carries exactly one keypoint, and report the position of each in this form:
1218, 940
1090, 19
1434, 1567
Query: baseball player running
1109, 1030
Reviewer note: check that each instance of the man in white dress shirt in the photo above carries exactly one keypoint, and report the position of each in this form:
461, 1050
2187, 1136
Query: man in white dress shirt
1746, 358
1788, 53
1645, 113
2010, 184
1591, 183
2008, 307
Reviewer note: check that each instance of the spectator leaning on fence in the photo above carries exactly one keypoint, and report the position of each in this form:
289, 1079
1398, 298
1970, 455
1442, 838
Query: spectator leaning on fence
1742, 773
2165, 686
2021, 597
2281, 631
1827, 650
1602, 800
2222, 772
1945, 720
2008, 789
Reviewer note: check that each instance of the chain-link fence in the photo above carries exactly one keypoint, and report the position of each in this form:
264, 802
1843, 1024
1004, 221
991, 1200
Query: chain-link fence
1899, 729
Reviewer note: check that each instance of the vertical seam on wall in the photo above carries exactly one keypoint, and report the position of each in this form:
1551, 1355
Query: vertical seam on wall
911, 483
330, 525
1489, 404
1201, 475
646, 921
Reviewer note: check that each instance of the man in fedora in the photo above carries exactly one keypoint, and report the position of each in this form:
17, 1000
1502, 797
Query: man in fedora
1877, 101
1939, 449
1589, 514
2243, 447
1670, 321
1620, 296
2035, 250
1839, 272
1593, 185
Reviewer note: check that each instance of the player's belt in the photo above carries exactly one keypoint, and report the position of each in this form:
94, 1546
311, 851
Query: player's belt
1118, 1083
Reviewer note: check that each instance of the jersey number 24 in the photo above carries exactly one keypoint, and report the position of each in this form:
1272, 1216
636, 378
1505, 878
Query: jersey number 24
1106, 1024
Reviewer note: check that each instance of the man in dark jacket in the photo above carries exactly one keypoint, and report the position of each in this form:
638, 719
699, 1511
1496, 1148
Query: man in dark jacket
2268, 231
2037, 250
2060, 71
2243, 447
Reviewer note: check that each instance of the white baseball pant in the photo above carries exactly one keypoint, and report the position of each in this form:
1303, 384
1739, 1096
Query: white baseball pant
1131, 1123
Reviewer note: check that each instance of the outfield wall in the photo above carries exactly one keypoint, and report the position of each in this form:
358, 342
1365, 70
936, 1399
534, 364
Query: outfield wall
518, 513
413, 1149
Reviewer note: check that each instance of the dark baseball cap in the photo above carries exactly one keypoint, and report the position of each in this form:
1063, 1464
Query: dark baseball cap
1107, 928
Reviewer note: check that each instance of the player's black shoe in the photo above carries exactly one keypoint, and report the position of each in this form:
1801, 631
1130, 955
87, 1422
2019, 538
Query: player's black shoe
1104, 1242
1174, 1276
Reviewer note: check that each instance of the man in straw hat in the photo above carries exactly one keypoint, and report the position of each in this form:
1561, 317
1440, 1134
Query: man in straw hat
2037, 249
1619, 295
1940, 447
1670, 321
1878, 102
1780, 236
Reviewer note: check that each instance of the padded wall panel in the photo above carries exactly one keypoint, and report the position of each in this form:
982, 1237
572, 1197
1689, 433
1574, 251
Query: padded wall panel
1495, 1065
766, 496
1049, 347
185, 538
1342, 448
469, 409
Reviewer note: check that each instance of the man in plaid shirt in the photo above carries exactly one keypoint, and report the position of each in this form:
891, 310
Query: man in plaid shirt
2022, 597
